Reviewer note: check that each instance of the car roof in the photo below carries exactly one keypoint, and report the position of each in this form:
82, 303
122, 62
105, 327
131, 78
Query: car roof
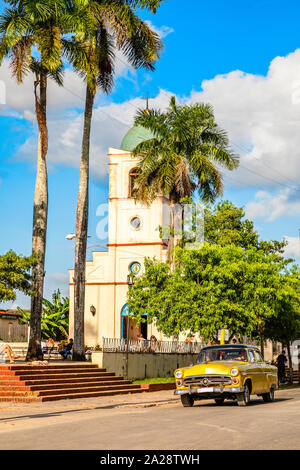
231, 346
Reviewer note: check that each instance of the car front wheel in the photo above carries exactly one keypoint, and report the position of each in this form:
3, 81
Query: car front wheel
187, 400
243, 399
269, 397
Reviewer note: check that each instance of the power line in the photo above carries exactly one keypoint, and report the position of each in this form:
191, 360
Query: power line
244, 148
99, 109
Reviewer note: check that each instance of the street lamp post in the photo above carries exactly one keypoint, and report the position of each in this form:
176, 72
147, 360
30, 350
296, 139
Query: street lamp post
129, 283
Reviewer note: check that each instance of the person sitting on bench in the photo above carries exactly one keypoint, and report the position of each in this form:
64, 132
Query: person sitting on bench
68, 350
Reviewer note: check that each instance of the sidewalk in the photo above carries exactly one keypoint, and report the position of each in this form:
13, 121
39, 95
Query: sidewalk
142, 400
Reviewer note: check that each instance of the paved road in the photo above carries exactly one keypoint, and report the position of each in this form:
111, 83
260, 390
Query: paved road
132, 422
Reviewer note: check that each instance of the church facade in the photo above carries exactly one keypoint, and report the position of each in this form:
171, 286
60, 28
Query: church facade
133, 234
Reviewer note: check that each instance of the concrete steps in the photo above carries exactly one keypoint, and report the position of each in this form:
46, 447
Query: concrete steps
25, 388
45, 376
29, 383
34, 382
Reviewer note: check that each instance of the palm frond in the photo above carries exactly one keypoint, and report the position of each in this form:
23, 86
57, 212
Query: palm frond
20, 56
105, 57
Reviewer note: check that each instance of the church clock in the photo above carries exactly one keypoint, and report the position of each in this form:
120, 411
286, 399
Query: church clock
135, 268
136, 223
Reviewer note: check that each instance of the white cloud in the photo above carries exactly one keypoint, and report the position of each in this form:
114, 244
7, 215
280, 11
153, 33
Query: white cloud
262, 115
293, 246
271, 207
20, 98
110, 124
162, 31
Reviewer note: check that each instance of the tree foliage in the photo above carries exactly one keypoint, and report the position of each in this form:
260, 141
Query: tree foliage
185, 154
15, 275
113, 26
235, 281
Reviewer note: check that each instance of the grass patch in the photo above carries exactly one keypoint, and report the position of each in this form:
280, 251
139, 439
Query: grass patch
155, 380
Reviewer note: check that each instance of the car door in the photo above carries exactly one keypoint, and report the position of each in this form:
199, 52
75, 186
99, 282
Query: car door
254, 372
261, 372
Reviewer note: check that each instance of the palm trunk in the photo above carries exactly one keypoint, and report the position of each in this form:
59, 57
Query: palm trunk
40, 213
81, 232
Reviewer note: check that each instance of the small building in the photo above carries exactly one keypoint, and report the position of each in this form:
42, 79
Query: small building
10, 328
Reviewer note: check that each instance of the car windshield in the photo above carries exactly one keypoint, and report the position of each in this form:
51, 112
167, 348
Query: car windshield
222, 354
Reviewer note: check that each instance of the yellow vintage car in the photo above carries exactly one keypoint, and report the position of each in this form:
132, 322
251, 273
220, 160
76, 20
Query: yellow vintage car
230, 371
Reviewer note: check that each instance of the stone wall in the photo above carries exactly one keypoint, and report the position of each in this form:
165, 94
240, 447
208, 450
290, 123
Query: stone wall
141, 366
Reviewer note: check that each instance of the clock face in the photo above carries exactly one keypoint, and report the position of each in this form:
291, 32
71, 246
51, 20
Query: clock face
135, 268
136, 223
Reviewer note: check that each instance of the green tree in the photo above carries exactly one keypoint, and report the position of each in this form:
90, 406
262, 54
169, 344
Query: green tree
284, 326
15, 275
116, 26
185, 155
225, 224
211, 288
31, 37
55, 317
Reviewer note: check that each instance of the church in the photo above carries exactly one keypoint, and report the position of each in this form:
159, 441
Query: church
133, 234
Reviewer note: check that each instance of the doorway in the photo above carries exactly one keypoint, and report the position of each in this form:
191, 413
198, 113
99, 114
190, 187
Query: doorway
134, 330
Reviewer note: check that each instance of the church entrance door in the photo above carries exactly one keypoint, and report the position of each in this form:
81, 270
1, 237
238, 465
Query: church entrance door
134, 330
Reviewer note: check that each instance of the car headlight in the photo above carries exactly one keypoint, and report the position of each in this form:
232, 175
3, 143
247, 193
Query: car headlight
234, 371
178, 374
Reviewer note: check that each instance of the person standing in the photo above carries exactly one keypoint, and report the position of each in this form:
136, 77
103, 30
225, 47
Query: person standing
280, 363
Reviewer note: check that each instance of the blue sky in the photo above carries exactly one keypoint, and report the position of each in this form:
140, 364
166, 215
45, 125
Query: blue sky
242, 57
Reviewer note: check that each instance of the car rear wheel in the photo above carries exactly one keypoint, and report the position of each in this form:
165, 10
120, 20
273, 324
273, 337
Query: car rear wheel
187, 400
269, 397
219, 401
243, 399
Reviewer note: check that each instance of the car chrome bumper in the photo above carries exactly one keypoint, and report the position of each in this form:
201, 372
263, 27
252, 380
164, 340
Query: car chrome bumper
210, 390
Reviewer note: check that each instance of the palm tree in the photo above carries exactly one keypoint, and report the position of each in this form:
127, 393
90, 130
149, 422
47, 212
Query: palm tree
184, 155
31, 37
116, 26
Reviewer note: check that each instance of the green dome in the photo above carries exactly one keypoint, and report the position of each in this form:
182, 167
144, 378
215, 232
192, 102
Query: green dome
135, 136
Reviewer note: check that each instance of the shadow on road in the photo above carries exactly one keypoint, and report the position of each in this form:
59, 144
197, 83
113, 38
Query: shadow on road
230, 403
91, 408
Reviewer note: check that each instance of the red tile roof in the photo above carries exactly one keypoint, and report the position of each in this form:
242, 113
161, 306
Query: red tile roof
10, 312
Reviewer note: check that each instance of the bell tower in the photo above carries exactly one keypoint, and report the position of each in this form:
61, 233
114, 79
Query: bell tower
133, 234
131, 222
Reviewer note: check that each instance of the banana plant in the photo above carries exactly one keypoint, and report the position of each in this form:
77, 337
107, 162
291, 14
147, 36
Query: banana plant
55, 316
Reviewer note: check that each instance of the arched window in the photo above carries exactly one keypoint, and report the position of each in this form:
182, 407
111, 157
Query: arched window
133, 173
